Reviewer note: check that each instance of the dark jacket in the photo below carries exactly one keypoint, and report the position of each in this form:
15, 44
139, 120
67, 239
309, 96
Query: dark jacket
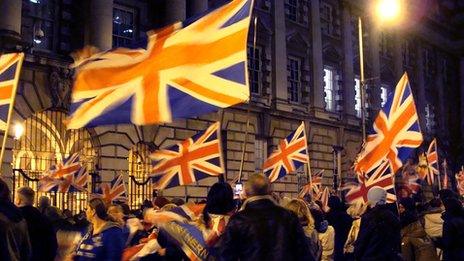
106, 245
453, 231
263, 230
14, 237
379, 235
41, 234
341, 222
416, 245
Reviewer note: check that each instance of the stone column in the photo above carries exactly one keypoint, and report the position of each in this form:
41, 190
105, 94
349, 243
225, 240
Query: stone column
317, 97
373, 78
101, 24
397, 56
176, 11
10, 18
348, 74
420, 98
440, 115
279, 59
198, 6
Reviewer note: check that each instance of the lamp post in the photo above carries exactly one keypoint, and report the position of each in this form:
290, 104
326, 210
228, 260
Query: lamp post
386, 11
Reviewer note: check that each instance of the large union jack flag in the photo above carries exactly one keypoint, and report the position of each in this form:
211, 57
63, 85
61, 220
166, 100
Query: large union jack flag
314, 186
10, 67
195, 158
115, 190
66, 176
396, 132
380, 177
186, 70
291, 153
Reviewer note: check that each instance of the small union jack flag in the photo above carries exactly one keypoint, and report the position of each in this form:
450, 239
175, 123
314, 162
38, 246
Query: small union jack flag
428, 163
115, 190
80, 179
186, 70
10, 68
291, 153
62, 176
396, 132
379, 177
313, 186
195, 158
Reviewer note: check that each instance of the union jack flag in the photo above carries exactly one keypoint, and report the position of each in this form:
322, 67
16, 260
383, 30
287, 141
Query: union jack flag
66, 176
187, 70
115, 190
313, 186
10, 68
291, 153
195, 158
460, 181
396, 132
379, 177
430, 163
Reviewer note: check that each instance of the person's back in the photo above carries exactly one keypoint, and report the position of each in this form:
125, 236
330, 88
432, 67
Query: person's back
379, 235
14, 237
262, 230
341, 222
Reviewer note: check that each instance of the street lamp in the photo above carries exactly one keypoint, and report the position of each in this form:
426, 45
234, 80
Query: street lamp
18, 131
386, 11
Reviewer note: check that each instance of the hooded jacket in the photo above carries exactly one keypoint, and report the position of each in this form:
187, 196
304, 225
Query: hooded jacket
14, 237
106, 245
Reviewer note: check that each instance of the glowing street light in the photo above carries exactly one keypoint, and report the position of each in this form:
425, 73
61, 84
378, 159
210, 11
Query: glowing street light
385, 11
18, 131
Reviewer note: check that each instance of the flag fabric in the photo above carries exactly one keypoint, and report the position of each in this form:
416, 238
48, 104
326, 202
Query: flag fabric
66, 176
291, 153
324, 198
396, 132
10, 68
432, 157
424, 170
189, 238
195, 158
460, 182
313, 186
186, 70
380, 177
115, 190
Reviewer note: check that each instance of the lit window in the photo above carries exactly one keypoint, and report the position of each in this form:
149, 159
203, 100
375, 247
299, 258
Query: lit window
293, 78
291, 9
254, 68
384, 94
123, 26
357, 97
329, 88
260, 153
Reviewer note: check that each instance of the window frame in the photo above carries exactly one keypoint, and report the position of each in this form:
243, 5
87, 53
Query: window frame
260, 146
296, 81
384, 90
290, 6
330, 102
257, 51
329, 20
357, 96
115, 37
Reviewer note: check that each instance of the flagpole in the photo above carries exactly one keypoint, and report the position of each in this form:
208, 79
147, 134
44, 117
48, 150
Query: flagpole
445, 168
310, 174
242, 160
10, 109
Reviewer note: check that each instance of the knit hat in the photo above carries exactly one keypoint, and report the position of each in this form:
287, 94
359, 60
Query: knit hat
377, 196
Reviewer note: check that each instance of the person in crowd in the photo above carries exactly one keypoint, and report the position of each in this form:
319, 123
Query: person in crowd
262, 230
14, 236
159, 202
41, 233
326, 234
104, 240
356, 210
433, 223
379, 235
341, 222
453, 229
415, 244
52, 213
178, 201
300, 208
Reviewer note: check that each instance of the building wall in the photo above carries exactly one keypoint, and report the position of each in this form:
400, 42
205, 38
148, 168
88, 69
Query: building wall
312, 34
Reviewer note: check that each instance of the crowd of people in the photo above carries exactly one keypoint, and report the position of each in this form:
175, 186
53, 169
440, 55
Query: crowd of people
260, 226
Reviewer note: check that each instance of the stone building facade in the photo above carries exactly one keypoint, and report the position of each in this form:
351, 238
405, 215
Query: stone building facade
303, 67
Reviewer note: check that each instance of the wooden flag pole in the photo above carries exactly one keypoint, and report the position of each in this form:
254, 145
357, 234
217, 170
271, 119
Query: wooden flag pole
445, 168
310, 174
10, 109
242, 160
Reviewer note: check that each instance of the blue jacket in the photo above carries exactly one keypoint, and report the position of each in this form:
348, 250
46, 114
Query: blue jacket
106, 245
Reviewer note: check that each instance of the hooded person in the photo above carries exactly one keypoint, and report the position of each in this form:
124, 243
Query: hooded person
415, 244
379, 234
341, 222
